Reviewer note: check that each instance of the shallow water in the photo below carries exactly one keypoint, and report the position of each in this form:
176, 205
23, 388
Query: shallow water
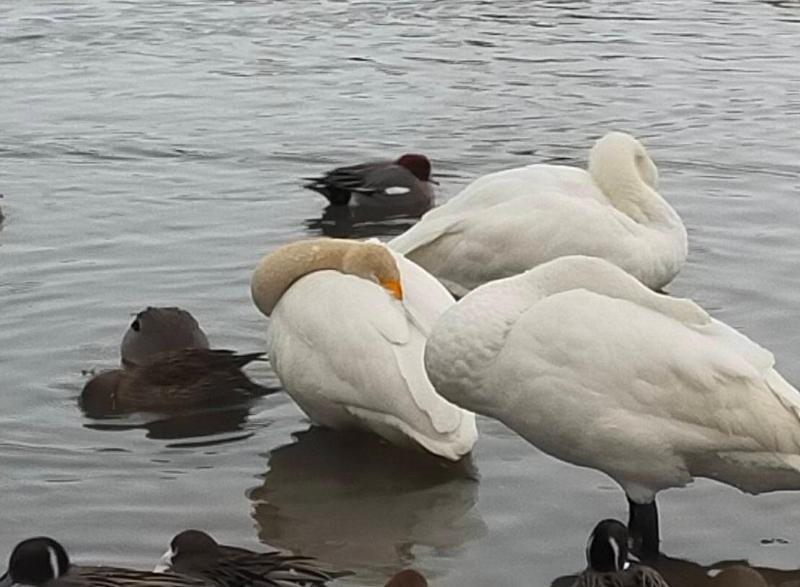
151, 151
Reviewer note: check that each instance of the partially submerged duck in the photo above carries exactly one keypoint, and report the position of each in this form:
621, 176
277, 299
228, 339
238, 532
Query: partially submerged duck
42, 561
196, 554
167, 365
407, 578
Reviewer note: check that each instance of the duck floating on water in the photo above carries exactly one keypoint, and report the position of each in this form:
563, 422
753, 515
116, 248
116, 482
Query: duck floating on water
607, 556
167, 365
43, 561
402, 183
196, 554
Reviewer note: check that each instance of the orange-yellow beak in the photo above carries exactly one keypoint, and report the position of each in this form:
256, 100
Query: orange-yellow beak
393, 287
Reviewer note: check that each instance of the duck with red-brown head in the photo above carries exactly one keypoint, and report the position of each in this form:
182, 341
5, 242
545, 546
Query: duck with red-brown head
403, 182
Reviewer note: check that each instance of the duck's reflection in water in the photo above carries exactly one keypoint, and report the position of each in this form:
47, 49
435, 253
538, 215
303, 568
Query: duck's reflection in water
365, 221
683, 573
357, 503
212, 425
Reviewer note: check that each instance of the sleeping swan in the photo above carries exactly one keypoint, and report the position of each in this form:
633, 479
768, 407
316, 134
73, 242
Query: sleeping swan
507, 222
595, 369
346, 337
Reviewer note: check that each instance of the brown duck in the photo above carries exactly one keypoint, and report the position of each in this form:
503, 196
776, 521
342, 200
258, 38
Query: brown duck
43, 561
167, 365
196, 554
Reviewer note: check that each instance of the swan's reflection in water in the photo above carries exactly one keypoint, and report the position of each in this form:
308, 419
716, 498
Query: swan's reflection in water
358, 503
365, 221
684, 573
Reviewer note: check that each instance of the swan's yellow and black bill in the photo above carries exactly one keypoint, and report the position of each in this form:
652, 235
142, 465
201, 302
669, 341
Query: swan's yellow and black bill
393, 287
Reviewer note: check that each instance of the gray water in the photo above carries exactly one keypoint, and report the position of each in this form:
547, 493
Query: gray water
151, 152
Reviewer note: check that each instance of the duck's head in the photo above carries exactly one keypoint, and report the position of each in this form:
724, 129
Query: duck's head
607, 547
417, 164
186, 545
407, 578
156, 330
278, 270
35, 561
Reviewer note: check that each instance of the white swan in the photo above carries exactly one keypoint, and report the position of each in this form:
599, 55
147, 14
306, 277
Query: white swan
508, 222
593, 368
346, 337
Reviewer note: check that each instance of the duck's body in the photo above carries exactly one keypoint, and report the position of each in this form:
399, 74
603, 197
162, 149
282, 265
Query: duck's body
508, 222
401, 183
607, 555
42, 561
349, 352
175, 380
167, 365
593, 368
196, 554
407, 578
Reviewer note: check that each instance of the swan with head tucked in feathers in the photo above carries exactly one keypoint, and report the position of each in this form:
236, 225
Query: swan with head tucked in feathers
507, 222
590, 366
348, 323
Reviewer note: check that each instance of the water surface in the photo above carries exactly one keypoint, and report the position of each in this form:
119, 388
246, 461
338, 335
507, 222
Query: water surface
151, 151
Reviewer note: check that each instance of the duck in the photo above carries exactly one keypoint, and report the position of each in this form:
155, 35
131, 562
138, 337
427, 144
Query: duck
607, 556
348, 322
507, 222
407, 578
41, 561
592, 367
167, 365
738, 576
403, 182
195, 553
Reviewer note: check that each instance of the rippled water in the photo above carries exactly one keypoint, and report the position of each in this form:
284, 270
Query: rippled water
151, 151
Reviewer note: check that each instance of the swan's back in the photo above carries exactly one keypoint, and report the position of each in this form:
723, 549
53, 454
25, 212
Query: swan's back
351, 356
613, 376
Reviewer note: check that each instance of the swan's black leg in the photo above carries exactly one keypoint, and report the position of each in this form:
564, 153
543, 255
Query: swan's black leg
643, 528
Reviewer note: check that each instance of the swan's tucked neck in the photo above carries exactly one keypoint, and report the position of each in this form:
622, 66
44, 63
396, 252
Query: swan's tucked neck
279, 270
613, 167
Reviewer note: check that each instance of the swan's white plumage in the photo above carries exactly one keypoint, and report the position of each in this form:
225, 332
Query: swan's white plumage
351, 355
507, 222
594, 368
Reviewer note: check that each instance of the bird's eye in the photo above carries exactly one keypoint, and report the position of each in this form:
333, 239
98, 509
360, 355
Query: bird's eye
135, 326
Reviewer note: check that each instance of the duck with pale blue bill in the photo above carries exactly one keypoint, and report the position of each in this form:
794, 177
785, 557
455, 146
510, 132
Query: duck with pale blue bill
43, 561
196, 554
594, 368
348, 323
608, 564
402, 183
507, 222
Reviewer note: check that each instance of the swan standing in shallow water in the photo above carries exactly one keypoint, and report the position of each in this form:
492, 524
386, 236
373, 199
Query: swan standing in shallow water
508, 222
593, 368
347, 334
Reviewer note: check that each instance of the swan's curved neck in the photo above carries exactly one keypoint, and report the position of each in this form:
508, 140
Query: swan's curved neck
278, 271
613, 169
